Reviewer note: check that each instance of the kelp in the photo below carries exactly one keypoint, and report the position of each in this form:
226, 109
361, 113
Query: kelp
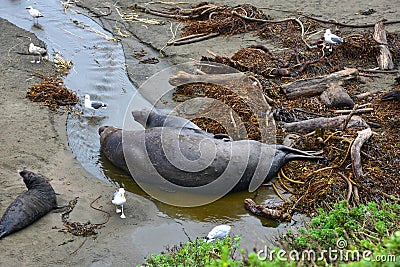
51, 92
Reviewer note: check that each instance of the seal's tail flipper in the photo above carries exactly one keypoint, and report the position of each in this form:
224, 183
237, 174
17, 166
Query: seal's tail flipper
291, 157
293, 152
284, 154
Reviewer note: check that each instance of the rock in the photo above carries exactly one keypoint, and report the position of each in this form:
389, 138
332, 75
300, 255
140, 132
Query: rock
336, 97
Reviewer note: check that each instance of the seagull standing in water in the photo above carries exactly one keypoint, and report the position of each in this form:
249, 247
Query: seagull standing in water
119, 200
37, 52
93, 105
331, 39
220, 232
35, 14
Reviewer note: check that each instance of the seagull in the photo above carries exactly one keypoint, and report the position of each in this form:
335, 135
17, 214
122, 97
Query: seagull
331, 39
220, 232
93, 105
119, 200
37, 52
35, 14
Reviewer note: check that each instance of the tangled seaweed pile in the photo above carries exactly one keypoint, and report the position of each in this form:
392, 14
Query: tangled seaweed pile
78, 228
51, 92
223, 20
247, 108
207, 18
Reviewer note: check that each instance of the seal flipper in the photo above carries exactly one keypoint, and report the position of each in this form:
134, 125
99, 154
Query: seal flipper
285, 154
2, 234
223, 137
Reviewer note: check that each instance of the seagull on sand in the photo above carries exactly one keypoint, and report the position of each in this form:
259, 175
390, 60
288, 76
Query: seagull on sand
331, 39
93, 105
220, 232
119, 200
35, 14
37, 52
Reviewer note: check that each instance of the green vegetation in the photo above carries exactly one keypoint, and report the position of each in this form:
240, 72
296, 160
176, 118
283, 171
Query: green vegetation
366, 235
372, 229
198, 253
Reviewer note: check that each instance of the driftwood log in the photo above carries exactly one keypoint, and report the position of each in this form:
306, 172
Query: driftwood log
315, 86
184, 78
192, 39
265, 211
355, 151
325, 123
384, 59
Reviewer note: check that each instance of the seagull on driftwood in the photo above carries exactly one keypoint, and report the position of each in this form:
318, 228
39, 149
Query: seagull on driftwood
220, 232
35, 14
37, 52
93, 105
119, 200
331, 39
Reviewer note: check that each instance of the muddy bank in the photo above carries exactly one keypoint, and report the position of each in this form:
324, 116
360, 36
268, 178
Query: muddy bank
34, 138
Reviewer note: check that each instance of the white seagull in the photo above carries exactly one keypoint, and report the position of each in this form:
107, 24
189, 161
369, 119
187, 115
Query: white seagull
37, 52
331, 39
93, 105
220, 232
119, 200
35, 14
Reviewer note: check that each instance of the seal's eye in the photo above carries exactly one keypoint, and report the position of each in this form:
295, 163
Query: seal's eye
101, 129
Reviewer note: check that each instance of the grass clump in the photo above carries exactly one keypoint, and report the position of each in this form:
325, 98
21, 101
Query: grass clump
197, 253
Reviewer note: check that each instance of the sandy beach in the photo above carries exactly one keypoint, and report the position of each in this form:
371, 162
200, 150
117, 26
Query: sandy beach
34, 138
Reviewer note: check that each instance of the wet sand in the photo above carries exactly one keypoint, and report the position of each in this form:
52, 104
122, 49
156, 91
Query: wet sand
34, 138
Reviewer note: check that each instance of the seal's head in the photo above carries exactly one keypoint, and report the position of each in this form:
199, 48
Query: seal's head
32, 179
142, 116
106, 131
102, 129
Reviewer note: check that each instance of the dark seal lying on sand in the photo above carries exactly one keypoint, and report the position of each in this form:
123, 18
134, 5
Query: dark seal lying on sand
189, 158
39, 200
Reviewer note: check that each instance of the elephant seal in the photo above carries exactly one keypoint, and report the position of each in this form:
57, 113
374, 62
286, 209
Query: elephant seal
152, 118
30, 206
188, 158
